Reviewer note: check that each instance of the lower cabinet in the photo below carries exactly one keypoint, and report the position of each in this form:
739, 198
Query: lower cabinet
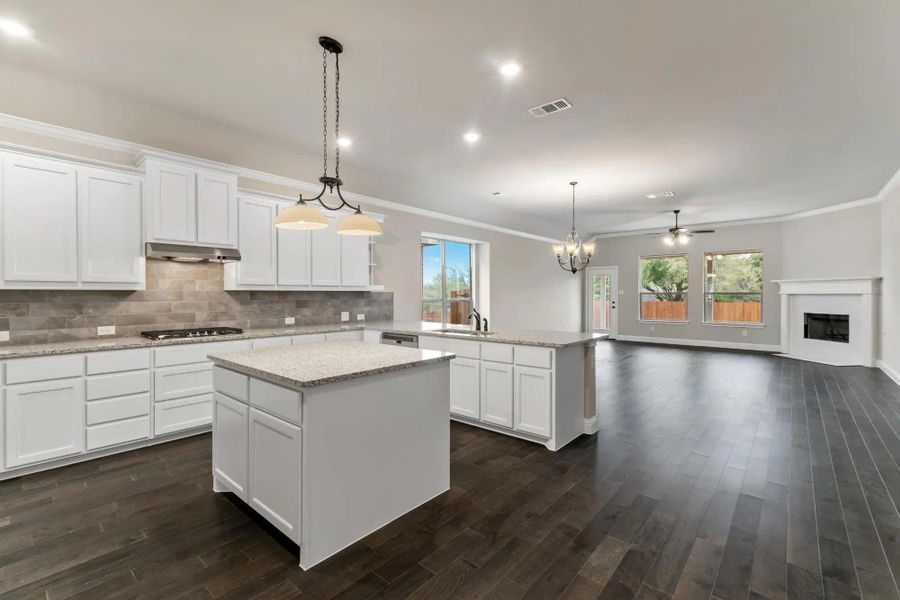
497, 393
117, 432
464, 387
44, 420
532, 394
184, 413
274, 472
230, 443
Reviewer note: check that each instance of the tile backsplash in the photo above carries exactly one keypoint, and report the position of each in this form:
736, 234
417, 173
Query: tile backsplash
178, 295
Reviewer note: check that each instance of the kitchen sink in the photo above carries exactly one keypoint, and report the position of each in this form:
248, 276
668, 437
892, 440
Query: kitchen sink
466, 332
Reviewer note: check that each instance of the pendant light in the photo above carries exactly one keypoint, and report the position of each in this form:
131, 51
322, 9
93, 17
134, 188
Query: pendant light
305, 216
577, 254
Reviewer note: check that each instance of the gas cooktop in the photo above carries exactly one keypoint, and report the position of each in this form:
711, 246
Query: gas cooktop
197, 332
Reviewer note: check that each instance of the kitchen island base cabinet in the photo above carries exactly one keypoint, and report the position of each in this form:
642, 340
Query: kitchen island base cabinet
367, 451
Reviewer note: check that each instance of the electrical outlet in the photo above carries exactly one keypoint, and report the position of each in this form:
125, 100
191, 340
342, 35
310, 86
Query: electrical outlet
289, 320
345, 316
4, 336
360, 317
106, 330
744, 332
653, 328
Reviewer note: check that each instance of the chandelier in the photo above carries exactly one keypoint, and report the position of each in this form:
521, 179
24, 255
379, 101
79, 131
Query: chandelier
303, 215
577, 254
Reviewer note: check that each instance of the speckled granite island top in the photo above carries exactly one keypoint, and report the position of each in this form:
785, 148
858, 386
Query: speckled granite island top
325, 362
521, 337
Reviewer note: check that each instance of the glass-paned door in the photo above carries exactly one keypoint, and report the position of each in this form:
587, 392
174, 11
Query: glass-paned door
602, 293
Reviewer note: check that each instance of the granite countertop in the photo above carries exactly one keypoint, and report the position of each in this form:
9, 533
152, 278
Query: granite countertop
325, 362
522, 337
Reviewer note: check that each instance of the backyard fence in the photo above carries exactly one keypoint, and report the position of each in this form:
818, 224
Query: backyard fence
725, 312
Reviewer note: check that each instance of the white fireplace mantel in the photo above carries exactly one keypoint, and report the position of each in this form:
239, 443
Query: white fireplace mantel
856, 296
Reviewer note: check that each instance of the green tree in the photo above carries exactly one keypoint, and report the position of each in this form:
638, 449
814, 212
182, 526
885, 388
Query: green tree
665, 277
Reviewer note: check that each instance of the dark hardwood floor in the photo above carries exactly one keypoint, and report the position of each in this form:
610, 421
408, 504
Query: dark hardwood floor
715, 474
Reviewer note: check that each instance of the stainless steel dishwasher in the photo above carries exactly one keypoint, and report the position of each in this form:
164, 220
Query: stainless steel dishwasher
400, 339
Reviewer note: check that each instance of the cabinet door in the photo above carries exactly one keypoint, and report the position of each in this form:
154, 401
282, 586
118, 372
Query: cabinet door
40, 234
230, 443
497, 393
326, 256
532, 400
355, 260
257, 242
464, 388
44, 420
172, 191
274, 487
110, 233
294, 255
217, 219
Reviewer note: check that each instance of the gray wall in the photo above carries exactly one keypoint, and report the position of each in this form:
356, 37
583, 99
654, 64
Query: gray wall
890, 300
178, 295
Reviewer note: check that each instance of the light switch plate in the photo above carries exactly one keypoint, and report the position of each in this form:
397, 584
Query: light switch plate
106, 330
345, 316
289, 320
744, 332
4, 336
360, 317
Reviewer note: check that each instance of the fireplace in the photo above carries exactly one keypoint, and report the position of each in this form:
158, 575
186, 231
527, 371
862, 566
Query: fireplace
826, 327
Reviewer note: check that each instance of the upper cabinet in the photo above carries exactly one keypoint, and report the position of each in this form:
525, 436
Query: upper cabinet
69, 226
190, 206
284, 259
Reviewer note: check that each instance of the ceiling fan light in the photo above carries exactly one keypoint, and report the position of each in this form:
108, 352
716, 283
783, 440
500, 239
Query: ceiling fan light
683, 240
669, 240
301, 217
359, 224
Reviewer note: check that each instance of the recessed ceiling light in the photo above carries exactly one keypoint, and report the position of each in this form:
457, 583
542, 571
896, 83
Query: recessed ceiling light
510, 69
15, 29
344, 142
496, 193
471, 136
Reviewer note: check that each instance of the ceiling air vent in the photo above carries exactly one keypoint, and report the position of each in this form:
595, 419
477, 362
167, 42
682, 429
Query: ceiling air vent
550, 107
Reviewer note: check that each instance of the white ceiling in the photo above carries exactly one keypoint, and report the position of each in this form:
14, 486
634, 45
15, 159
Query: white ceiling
744, 109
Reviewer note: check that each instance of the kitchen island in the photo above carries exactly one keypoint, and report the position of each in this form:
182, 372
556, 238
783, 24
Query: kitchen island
331, 441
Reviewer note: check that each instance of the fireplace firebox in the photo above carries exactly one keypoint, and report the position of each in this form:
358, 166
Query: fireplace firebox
826, 327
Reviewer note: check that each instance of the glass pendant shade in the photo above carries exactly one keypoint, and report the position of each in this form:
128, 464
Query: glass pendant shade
558, 249
359, 224
301, 217
573, 242
588, 249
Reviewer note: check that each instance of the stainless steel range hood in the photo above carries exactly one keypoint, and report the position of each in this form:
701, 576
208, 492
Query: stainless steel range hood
197, 254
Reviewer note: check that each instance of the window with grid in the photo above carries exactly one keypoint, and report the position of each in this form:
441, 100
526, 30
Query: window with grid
664, 288
447, 282
733, 287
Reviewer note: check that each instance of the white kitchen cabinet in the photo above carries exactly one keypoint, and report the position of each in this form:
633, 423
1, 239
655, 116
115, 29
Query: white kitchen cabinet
354, 335
274, 472
172, 203
326, 255
40, 217
294, 255
44, 420
217, 218
181, 381
230, 443
309, 338
258, 265
181, 414
110, 232
532, 408
465, 388
271, 342
354, 260
497, 393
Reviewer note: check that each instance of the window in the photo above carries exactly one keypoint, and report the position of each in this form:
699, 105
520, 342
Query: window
664, 288
446, 281
733, 287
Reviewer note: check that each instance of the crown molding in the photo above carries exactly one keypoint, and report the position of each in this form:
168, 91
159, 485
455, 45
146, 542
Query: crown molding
892, 184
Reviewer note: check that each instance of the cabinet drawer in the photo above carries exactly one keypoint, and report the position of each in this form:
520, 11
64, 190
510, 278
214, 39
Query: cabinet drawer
23, 370
178, 382
118, 360
311, 338
497, 352
184, 413
119, 384
194, 353
531, 356
271, 342
120, 432
344, 336
230, 383
462, 348
275, 400
116, 409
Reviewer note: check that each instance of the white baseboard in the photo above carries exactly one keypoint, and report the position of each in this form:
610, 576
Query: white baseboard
701, 343
892, 373
592, 425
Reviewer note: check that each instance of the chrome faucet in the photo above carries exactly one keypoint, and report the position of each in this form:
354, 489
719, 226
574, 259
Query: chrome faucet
477, 316
485, 324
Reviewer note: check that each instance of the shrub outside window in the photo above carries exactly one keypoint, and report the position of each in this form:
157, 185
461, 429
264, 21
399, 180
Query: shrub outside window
664, 288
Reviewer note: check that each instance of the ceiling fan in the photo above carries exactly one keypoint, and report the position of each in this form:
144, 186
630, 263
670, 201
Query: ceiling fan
679, 235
